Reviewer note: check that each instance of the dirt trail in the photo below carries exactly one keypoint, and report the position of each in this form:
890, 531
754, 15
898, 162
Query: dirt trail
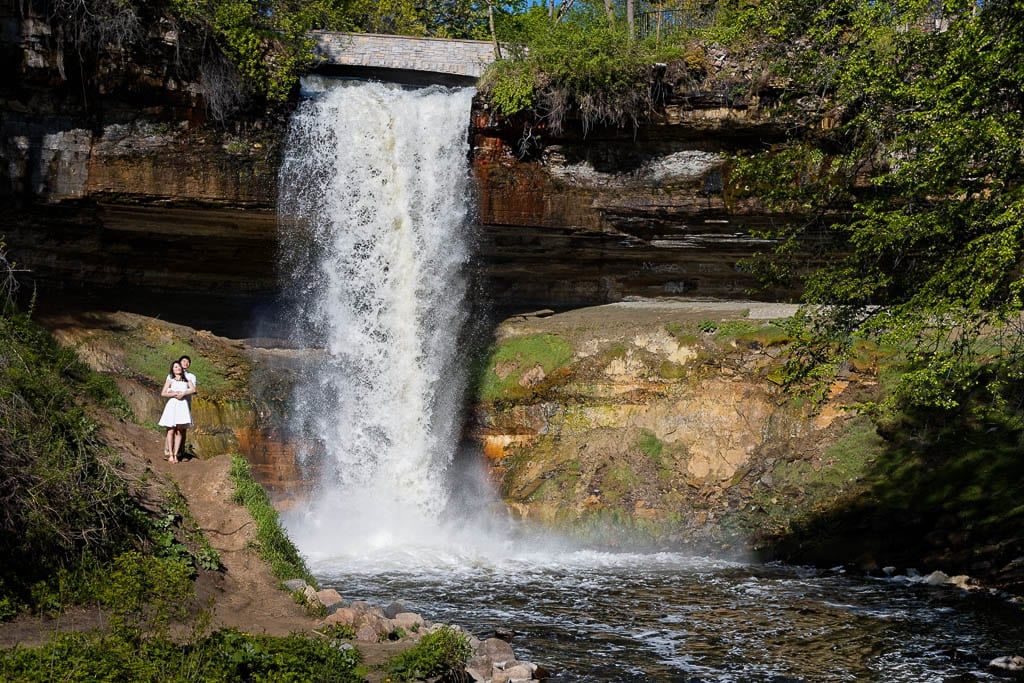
245, 594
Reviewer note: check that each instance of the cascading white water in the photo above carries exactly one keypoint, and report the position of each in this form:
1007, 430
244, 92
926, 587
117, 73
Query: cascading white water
374, 194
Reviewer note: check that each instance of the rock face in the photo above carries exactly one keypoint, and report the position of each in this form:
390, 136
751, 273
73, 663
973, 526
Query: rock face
127, 198
653, 423
618, 213
118, 195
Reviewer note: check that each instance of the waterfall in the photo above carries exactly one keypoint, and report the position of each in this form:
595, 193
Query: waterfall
373, 201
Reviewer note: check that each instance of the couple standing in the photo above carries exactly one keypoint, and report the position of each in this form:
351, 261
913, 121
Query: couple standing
179, 387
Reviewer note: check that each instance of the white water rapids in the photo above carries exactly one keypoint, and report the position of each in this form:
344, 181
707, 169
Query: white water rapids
374, 196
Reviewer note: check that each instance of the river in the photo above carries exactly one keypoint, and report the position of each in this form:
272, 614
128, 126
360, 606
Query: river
591, 616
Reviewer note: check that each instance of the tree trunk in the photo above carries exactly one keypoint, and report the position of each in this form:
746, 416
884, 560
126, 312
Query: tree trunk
609, 8
490, 24
629, 20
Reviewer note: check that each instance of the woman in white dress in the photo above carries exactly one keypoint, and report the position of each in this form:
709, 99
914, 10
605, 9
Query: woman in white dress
176, 416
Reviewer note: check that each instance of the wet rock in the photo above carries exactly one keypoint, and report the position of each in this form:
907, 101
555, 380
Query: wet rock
393, 609
1014, 663
936, 578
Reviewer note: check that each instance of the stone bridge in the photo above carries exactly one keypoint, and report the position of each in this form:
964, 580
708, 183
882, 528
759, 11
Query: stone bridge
402, 59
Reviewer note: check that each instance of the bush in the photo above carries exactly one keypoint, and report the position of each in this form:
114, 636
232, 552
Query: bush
65, 509
225, 655
439, 653
582, 66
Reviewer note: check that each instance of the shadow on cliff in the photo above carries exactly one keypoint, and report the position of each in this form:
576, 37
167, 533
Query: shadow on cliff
942, 495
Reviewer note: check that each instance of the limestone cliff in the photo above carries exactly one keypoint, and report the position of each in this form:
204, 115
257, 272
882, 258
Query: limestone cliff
651, 423
124, 195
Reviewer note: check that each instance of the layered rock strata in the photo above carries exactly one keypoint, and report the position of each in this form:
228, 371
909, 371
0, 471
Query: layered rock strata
127, 198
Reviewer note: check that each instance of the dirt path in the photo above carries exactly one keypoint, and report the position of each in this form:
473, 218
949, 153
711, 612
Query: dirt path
245, 594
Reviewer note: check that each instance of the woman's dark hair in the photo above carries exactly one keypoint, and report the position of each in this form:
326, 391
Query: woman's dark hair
178, 363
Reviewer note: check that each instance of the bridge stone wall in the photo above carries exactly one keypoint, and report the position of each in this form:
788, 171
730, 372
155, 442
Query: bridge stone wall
439, 55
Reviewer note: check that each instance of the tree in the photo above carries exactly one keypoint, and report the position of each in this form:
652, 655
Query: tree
914, 204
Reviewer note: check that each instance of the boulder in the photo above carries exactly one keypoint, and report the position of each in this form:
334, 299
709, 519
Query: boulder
343, 615
497, 650
329, 598
292, 585
408, 621
393, 609
518, 672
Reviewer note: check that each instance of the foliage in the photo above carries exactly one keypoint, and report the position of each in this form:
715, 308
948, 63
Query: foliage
236, 49
63, 507
339, 631
582, 66
439, 653
512, 357
8, 282
267, 40
225, 655
145, 593
438, 18
272, 543
176, 516
913, 203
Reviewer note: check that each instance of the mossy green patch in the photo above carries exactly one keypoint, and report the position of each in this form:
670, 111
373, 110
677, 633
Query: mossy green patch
619, 480
670, 370
509, 360
651, 445
684, 335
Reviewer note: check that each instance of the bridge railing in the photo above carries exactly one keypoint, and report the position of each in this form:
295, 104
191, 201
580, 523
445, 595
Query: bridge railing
697, 15
669, 20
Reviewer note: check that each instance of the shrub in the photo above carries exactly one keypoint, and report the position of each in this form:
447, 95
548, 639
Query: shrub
65, 509
440, 653
582, 65
225, 655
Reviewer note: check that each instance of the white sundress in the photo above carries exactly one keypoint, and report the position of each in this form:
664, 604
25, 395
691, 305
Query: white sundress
176, 412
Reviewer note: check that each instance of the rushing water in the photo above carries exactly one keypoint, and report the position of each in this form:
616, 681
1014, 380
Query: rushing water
374, 195
595, 616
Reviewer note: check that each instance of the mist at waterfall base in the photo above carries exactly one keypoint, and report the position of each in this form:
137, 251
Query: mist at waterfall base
375, 203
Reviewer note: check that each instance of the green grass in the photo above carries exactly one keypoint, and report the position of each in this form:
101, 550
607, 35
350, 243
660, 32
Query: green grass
224, 655
272, 543
515, 356
651, 445
684, 335
152, 360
